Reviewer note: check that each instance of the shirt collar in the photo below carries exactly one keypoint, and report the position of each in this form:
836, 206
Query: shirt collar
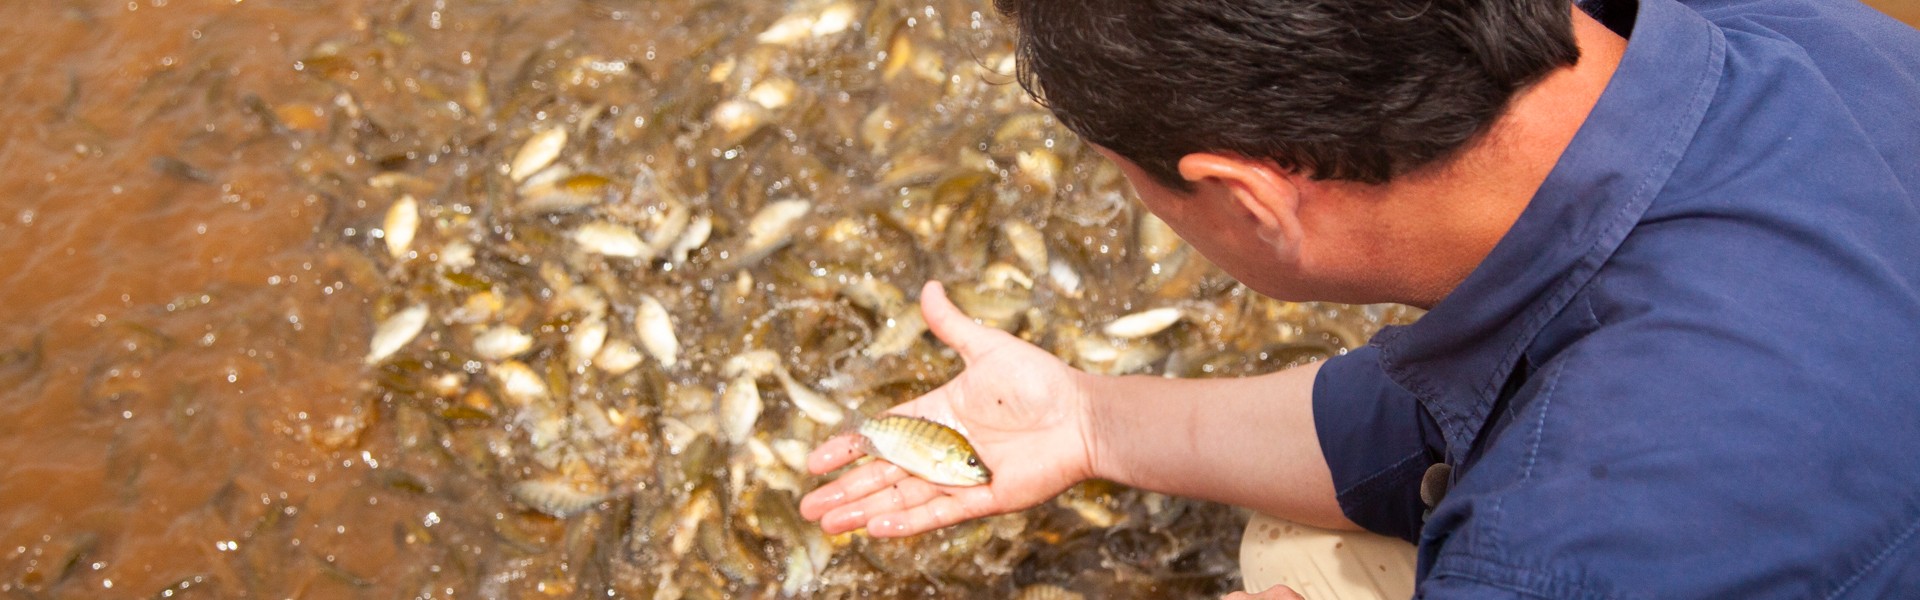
1458, 356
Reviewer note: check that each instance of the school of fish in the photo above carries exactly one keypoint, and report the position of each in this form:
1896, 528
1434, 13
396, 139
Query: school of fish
627, 286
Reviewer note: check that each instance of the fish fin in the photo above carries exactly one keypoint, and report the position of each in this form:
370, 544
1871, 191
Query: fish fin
855, 420
865, 445
850, 428
850, 425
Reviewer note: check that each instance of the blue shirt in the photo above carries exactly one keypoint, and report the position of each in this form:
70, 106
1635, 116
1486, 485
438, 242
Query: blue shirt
1692, 367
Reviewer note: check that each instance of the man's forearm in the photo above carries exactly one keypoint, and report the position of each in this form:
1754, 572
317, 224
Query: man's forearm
1245, 441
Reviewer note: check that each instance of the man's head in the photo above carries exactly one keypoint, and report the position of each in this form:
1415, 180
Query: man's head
1360, 90
1321, 149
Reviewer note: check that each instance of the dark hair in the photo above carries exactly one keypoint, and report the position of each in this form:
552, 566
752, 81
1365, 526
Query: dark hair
1361, 90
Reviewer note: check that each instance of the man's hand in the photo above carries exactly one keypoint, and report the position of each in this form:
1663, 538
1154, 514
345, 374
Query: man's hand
1024, 411
1278, 592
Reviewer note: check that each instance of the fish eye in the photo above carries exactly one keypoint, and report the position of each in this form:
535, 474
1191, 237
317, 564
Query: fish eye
973, 461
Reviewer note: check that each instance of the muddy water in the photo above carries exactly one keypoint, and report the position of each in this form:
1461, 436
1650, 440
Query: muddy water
1904, 10
171, 320
191, 288
189, 277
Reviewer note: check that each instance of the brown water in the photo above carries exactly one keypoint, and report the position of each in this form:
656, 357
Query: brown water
173, 323
190, 291
1904, 10
189, 286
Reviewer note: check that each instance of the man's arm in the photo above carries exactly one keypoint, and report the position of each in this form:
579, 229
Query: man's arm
1042, 427
1243, 441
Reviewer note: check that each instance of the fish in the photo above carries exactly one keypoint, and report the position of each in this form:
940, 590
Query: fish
833, 19
811, 403
394, 333
1047, 591
611, 239
616, 358
736, 120
540, 150
668, 226
770, 229
691, 239
898, 332
773, 94
756, 364
1029, 245
501, 342
752, 364
740, 408
798, 27
928, 449
519, 383
456, 255
655, 328
586, 339
403, 221
1144, 323
1039, 169
1064, 277
557, 497
1104, 356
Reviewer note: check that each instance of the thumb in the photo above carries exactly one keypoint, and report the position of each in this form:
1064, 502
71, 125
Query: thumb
955, 328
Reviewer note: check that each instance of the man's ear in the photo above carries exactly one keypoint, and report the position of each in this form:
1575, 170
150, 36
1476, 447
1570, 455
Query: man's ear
1264, 191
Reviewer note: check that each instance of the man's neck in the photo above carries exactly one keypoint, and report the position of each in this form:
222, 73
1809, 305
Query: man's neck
1431, 228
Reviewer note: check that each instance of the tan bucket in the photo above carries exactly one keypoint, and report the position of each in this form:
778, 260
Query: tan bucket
1323, 564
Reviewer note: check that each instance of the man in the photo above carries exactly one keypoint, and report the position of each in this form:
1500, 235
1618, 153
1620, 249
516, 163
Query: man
1671, 255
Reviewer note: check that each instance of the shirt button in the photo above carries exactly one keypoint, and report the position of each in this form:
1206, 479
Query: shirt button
1433, 486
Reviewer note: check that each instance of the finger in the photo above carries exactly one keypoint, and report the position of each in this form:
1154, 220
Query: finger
955, 328
833, 454
953, 505
859, 483
901, 496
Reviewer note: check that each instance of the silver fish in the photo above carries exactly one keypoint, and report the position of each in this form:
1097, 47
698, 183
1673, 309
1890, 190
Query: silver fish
540, 150
771, 229
740, 408
691, 239
811, 403
519, 383
1029, 245
897, 333
394, 333
617, 358
501, 342
611, 239
1143, 323
403, 221
558, 497
655, 329
586, 339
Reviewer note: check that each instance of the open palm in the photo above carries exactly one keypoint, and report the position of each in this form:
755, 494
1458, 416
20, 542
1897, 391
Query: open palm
1023, 410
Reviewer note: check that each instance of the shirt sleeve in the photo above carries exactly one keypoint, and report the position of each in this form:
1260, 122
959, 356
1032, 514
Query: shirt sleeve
1378, 441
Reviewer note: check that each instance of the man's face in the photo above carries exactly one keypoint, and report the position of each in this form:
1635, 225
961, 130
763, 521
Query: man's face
1218, 226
